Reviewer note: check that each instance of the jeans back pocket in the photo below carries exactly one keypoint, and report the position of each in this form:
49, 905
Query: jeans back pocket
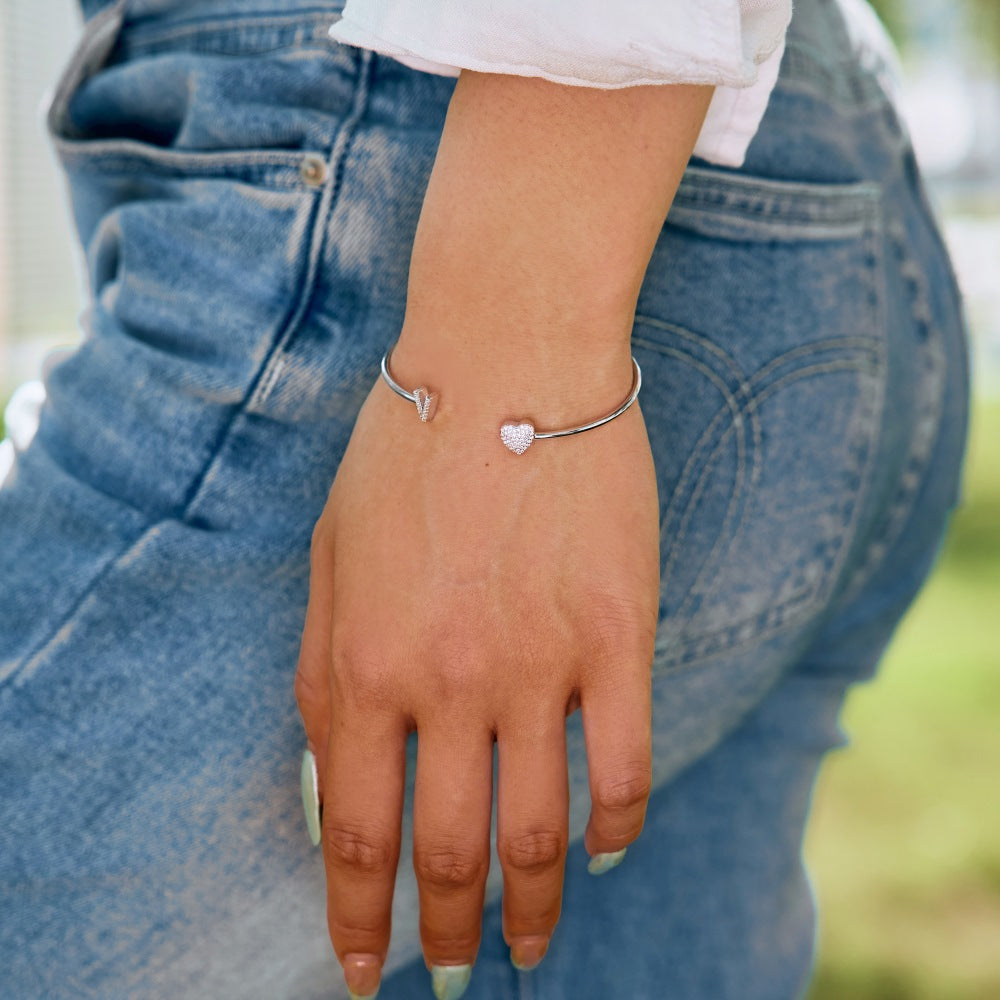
760, 329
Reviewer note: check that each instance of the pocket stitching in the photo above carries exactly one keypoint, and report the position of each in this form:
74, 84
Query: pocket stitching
725, 537
742, 405
277, 167
710, 199
801, 603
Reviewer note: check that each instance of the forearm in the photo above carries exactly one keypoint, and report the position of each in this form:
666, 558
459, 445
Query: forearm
540, 217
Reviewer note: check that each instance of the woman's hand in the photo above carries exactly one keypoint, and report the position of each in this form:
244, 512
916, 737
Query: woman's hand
475, 595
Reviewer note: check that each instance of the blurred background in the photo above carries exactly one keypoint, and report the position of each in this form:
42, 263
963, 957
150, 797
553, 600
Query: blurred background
904, 844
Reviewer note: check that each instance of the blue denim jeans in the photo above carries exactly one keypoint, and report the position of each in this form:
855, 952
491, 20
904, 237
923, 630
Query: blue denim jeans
246, 192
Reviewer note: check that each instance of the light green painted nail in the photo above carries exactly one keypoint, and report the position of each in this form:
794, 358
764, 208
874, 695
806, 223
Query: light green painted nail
450, 981
527, 952
601, 863
367, 996
310, 796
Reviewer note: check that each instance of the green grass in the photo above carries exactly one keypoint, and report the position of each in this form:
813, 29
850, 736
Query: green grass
904, 843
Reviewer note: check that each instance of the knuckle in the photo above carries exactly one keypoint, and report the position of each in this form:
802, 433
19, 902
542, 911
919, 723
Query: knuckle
533, 852
321, 536
361, 851
360, 676
450, 682
619, 631
307, 691
608, 642
449, 867
450, 944
356, 933
459, 666
624, 791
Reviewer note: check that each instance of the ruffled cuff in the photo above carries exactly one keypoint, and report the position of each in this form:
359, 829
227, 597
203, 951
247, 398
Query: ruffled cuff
733, 44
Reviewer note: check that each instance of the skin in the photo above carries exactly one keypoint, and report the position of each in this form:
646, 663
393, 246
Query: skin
479, 596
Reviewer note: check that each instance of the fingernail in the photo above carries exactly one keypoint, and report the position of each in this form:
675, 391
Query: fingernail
601, 863
310, 796
362, 974
450, 981
526, 953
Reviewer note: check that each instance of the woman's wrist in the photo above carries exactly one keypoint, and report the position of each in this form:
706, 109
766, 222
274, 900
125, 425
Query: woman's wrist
540, 216
495, 339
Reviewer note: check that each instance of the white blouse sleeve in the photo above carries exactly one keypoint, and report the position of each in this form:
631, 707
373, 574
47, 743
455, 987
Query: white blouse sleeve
734, 44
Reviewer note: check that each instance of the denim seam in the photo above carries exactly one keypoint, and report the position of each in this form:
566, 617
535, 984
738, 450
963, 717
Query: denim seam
876, 280
900, 506
725, 537
338, 159
815, 210
795, 201
679, 331
846, 342
678, 661
700, 483
730, 398
727, 533
732, 404
752, 402
84, 59
20, 675
340, 146
271, 167
708, 220
810, 596
721, 196
730, 401
266, 378
145, 37
875, 277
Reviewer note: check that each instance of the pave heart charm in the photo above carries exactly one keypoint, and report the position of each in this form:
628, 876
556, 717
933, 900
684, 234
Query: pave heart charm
517, 437
426, 403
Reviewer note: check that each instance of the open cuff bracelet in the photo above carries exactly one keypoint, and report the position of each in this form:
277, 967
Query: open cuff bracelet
516, 435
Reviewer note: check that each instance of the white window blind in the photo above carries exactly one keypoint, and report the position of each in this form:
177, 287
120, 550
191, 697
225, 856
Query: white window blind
39, 282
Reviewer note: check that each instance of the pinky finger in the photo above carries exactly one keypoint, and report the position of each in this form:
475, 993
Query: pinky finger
617, 730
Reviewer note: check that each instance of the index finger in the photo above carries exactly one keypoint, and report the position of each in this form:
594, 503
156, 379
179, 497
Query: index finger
362, 814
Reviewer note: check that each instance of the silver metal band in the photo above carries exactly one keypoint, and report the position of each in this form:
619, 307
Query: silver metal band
516, 435
426, 401
633, 393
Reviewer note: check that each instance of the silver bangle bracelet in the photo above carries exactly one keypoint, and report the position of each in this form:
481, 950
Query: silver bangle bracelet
516, 435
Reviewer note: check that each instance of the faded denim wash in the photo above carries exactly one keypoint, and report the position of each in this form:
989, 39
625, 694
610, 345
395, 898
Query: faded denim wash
246, 192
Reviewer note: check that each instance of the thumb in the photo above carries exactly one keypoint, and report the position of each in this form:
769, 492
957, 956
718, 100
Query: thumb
312, 677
